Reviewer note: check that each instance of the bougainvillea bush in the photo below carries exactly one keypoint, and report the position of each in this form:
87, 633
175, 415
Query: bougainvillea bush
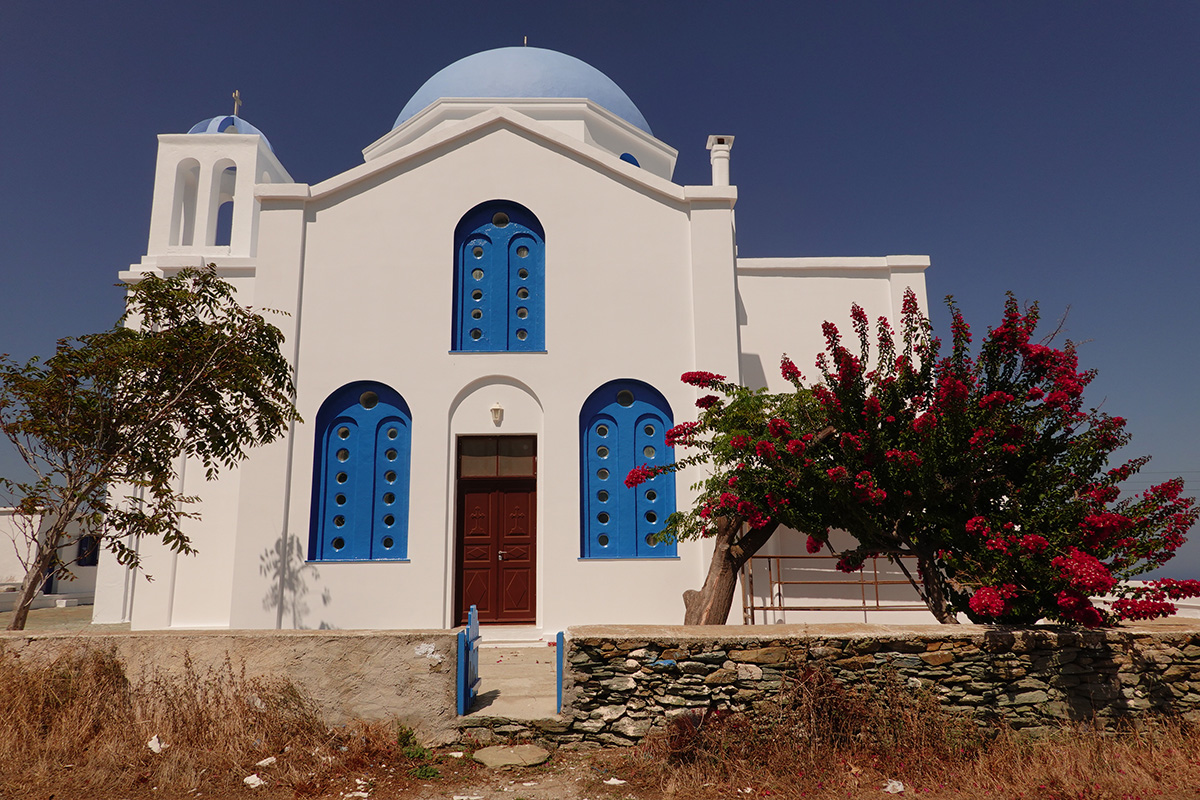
984, 464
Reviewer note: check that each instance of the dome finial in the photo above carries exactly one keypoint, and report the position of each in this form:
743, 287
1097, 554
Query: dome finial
237, 101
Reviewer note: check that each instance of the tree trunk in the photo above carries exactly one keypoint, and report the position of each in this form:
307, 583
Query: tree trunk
44, 553
935, 592
710, 605
34, 578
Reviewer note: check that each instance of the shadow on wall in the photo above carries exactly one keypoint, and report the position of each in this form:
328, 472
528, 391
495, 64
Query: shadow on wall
290, 581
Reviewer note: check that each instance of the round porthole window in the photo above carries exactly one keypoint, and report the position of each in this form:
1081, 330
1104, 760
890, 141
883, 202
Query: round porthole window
343, 454
340, 499
522, 334
500, 219
477, 274
522, 293
602, 496
523, 251
625, 398
338, 543
602, 474
602, 451
649, 429
389, 476
477, 295
602, 540
393, 433
476, 334
651, 516
339, 521
602, 517
368, 400
388, 542
602, 430
650, 540
477, 251
389, 520
477, 313
343, 432
522, 273
522, 313
342, 477
391, 455
389, 498
648, 451
651, 495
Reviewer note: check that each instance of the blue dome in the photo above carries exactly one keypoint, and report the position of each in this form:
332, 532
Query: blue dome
223, 124
524, 72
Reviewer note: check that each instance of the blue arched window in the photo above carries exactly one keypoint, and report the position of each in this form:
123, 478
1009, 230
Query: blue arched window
361, 475
623, 425
499, 280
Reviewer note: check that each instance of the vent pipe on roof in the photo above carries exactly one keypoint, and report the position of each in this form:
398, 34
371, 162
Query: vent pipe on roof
719, 147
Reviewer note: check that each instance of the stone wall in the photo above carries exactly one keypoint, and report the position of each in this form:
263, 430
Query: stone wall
371, 675
622, 682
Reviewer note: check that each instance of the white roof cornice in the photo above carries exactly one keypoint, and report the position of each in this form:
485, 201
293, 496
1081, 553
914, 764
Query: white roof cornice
504, 118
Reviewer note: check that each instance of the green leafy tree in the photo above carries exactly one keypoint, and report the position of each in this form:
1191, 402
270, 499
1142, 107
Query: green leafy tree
987, 470
186, 372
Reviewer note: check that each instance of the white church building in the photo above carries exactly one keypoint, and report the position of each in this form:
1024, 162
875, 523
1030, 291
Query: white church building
488, 320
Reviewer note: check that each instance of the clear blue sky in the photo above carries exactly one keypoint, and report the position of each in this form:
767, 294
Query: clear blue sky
1050, 149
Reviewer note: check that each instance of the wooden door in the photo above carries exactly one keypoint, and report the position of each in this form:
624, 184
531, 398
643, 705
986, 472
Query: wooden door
497, 530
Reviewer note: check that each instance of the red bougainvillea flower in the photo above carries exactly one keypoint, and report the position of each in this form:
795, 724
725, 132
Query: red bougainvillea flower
766, 450
680, 434
837, 473
1032, 543
851, 562
779, 427
789, 370
739, 442
813, 545
987, 602
702, 380
639, 475
1084, 571
708, 401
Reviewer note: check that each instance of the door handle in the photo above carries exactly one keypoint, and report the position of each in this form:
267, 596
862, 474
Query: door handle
500, 555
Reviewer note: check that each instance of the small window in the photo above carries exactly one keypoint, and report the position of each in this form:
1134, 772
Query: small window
88, 554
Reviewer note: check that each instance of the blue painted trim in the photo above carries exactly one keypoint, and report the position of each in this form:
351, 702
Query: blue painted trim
461, 678
468, 663
629, 157
560, 646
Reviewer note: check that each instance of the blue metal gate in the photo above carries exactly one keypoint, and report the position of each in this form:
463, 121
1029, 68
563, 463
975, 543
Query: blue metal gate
468, 663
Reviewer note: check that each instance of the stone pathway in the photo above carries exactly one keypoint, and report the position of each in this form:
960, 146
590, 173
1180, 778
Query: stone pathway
517, 682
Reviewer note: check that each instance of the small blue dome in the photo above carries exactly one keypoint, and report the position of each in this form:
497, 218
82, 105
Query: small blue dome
223, 125
524, 72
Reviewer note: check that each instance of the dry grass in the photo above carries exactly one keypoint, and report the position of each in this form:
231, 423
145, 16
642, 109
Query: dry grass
824, 740
78, 727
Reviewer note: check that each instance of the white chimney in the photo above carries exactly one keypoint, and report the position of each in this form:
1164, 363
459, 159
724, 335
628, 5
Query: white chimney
719, 147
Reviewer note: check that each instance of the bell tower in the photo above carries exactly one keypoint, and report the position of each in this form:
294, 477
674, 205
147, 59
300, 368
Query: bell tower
204, 208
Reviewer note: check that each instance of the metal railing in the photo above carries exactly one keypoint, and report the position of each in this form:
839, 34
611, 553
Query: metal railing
776, 599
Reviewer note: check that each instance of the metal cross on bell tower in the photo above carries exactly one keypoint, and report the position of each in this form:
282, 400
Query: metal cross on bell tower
237, 101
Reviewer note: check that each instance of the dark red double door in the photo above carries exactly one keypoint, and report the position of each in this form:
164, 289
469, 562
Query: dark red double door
497, 530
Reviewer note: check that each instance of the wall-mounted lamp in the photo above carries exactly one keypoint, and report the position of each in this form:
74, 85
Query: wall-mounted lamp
497, 414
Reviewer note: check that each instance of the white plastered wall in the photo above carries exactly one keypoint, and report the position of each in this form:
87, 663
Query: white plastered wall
377, 287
